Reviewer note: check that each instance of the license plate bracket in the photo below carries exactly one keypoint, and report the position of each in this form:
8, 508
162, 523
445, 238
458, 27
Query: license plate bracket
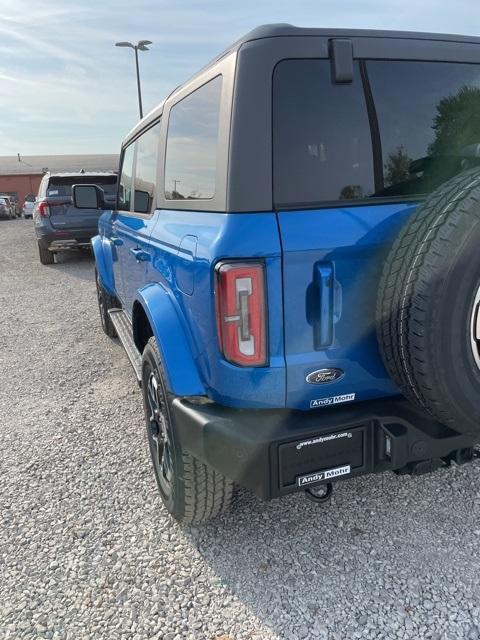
322, 452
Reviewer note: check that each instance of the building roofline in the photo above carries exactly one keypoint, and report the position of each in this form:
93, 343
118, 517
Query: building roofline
21, 173
38, 165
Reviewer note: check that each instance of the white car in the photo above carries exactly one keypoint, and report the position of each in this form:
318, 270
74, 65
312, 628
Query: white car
27, 209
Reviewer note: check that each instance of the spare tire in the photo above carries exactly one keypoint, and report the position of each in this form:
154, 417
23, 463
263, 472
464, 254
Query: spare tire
428, 308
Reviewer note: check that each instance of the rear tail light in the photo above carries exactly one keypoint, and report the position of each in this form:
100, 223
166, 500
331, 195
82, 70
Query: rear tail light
241, 312
43, 209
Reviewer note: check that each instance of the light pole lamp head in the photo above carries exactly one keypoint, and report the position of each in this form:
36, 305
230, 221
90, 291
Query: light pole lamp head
124, 44
142, 45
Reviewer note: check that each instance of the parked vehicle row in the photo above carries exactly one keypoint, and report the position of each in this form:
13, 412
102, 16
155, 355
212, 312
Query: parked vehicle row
11, 205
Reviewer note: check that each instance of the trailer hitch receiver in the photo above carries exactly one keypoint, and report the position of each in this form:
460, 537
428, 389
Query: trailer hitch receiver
320, 494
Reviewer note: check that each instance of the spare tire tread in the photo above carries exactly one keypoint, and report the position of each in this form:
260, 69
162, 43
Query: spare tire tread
405, 290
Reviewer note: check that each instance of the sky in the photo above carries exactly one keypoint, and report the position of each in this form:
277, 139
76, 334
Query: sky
65, 87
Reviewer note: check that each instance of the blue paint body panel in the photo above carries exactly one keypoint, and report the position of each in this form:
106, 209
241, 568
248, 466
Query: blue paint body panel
132, 233
168, 327
185, 247
322, 273
104, 259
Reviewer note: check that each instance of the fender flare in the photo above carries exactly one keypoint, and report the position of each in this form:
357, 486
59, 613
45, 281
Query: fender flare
165, 319
102, 251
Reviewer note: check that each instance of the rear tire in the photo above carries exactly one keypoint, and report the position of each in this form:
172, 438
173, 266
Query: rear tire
191, 491
46, 256
105, 302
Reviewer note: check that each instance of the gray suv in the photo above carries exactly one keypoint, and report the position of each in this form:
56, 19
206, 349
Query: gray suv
60, 226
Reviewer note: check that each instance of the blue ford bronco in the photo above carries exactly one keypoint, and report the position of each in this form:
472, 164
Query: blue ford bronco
293, 264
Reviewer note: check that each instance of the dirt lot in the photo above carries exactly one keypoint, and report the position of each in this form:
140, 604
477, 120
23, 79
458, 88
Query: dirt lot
87, 550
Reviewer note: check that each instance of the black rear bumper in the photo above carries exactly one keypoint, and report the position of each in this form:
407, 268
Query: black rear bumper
271, 452
64, 239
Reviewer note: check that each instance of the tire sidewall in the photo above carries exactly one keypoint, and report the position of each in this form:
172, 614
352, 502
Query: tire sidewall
107, 303
450, 319
101, 302
174, 501
46, 256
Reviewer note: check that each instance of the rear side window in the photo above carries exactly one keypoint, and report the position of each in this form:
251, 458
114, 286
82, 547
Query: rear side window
429, 121
321, 136
125, 181
146, 169
191, 156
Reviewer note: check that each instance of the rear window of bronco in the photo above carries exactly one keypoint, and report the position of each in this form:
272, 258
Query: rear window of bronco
400, 129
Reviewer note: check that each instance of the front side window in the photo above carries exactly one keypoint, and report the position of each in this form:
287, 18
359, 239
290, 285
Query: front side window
146, 169
429, 122
321, 136
191, 156
125, 181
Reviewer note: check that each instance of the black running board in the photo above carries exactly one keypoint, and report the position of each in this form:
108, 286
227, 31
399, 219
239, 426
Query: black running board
123, 327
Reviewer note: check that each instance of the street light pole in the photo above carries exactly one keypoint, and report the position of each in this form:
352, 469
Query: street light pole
142, 46
138, 84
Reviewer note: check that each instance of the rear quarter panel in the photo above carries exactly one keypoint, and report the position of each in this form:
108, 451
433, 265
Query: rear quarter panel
186, 246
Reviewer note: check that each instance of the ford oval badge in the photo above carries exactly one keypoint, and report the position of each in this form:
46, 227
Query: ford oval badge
324, 376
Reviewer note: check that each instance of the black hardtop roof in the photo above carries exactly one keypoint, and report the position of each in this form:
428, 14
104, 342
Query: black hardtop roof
285, 30
282, 30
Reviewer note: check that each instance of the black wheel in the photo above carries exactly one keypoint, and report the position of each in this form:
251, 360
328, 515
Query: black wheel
428, 313
105, 302
46, 256
191, 491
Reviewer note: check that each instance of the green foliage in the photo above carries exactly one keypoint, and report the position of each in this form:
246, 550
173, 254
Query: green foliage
457, 123
396, 167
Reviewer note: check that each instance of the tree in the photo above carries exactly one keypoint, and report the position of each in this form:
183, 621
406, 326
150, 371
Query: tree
457, 123
397, 167
351, 192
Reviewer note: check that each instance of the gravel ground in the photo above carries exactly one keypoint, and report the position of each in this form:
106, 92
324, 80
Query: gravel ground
87, 550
